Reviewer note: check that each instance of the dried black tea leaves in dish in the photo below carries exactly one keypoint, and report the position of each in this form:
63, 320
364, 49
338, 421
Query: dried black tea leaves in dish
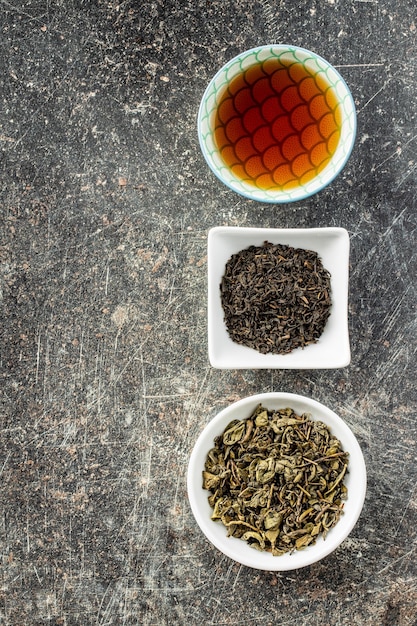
275, 298
276, 480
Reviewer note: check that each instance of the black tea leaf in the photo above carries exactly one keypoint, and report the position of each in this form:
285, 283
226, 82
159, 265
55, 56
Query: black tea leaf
275, 298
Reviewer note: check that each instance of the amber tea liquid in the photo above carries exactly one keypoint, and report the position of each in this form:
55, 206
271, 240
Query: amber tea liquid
277, 125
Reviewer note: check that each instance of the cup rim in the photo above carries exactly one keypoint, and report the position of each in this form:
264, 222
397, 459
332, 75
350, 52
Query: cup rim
316, 184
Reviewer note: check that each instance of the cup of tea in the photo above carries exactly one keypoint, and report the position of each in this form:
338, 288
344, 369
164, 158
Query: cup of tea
277, 123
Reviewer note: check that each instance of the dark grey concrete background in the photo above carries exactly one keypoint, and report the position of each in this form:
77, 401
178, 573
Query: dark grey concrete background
106, 202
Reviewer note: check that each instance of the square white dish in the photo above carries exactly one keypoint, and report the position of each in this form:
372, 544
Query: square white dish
332, 350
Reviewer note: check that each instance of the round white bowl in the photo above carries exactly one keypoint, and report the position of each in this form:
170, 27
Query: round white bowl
239, 550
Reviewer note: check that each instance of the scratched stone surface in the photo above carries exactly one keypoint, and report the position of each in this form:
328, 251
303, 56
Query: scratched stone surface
106, 203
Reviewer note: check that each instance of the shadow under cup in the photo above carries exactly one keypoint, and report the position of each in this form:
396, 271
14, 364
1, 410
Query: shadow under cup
277, 123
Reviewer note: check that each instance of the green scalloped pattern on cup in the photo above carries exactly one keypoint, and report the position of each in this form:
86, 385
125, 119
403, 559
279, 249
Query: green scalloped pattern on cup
284, 190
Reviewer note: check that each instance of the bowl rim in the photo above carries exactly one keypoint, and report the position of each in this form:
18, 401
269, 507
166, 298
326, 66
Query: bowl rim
257, 194
225, 354
235, 548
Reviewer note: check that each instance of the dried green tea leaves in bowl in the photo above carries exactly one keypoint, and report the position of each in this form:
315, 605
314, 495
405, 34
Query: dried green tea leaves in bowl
276, 479
275, 298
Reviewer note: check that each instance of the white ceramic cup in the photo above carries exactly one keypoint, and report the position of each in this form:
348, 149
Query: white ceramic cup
284, 143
